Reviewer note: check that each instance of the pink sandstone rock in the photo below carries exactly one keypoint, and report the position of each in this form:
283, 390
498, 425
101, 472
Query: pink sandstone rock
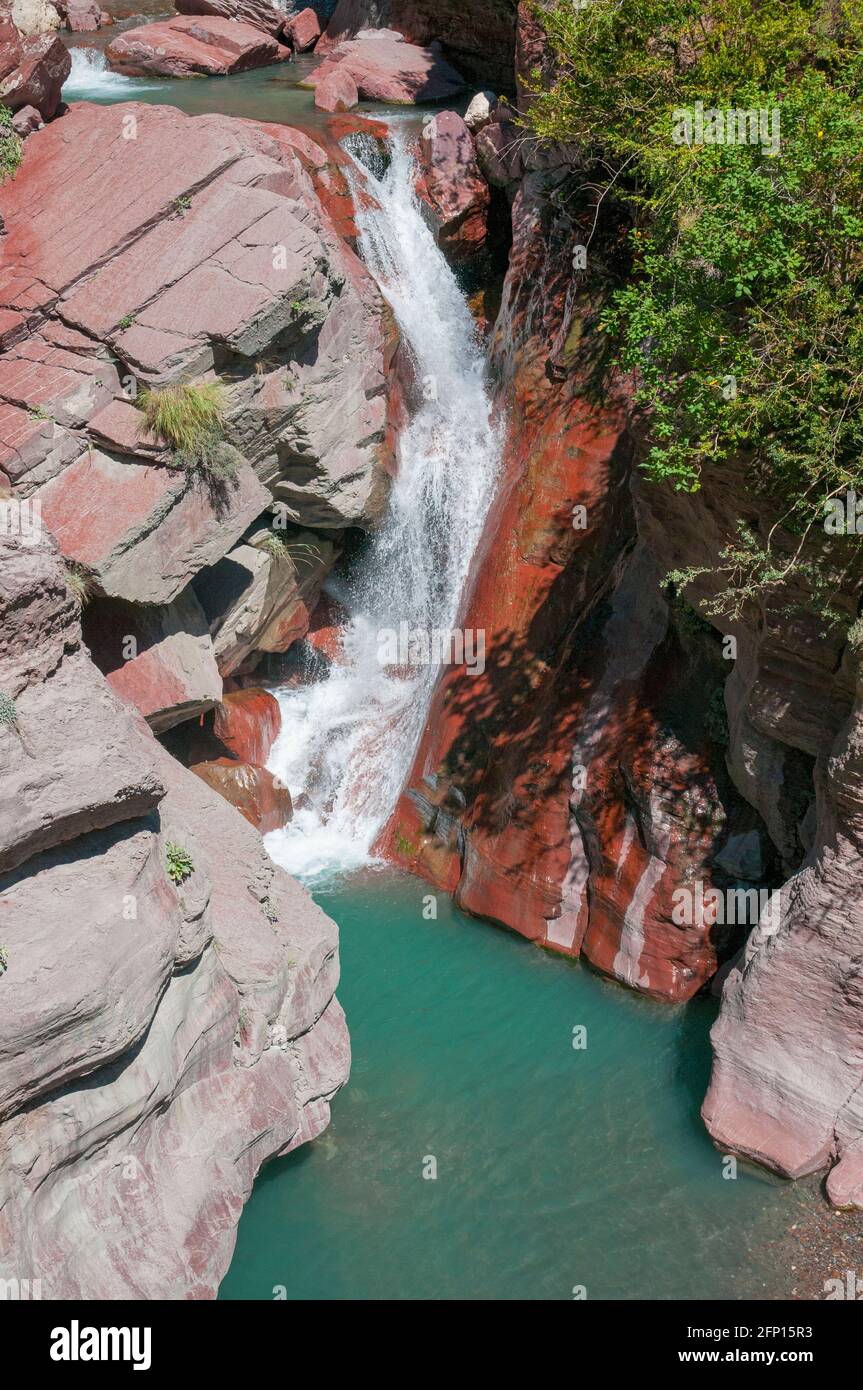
32, 70
169, 1038
141, 531
452, 187
83, 16
184, 269
303, 30
25, 121
336, 91
387, 68
158, 658
193, 44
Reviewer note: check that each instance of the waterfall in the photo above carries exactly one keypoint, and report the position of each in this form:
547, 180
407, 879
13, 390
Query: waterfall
90, 79
347, 743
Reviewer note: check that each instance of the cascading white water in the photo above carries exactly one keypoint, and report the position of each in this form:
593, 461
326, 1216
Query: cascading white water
90, 79
347, 743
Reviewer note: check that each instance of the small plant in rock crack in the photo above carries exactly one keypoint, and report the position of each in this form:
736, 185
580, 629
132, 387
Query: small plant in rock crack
38, 412
179, 862
281, 548
8, 711
182, 204
126, 321
4, 960
80, 585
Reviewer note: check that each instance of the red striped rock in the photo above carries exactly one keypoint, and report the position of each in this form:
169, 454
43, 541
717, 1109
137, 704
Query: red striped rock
248, 722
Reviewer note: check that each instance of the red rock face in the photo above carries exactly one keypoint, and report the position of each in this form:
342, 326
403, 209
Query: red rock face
451, 186
248, 723
258, 13
561, 792
387, 68
190, 44
265, 803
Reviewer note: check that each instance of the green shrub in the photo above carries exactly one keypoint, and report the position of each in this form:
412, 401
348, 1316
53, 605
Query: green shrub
10, 146
741, 319
179, 862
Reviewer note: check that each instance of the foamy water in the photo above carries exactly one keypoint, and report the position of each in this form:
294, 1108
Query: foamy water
347, 743
91, 79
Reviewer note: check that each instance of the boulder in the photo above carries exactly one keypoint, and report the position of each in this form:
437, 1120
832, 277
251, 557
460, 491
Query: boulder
158, 658
479, 111
141, 531
303, 30
387, 68
32, 70
257, 601
247, 722
451, 186
83, 16
336, 91
257, 13
256, 793
192, 44
25, 121
32, 17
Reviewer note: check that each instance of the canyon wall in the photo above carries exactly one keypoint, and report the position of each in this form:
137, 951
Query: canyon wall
169, 1018
624, 745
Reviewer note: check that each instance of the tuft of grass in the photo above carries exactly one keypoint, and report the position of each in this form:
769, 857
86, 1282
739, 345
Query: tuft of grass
179, 862
80, 584
187, 417
8, 711
280, 548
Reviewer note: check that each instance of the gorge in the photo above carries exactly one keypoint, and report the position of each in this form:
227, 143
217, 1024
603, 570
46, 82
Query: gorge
379, 287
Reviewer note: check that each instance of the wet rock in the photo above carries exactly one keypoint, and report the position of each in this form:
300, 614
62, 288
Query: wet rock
247, 722
256, 793
452, 187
